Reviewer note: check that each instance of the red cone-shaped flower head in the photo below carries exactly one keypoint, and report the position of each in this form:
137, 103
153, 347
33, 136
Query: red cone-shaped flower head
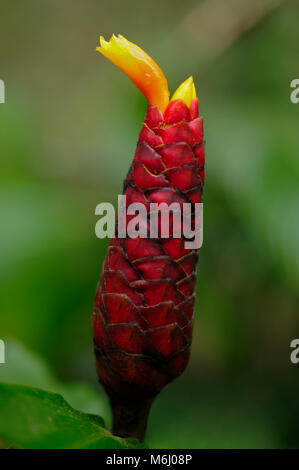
144, 306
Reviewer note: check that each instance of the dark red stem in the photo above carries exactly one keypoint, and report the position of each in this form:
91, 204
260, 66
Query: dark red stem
130, 417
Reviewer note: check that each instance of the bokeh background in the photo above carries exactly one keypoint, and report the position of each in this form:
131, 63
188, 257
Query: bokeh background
68, 131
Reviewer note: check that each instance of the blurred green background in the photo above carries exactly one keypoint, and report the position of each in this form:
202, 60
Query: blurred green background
68, 131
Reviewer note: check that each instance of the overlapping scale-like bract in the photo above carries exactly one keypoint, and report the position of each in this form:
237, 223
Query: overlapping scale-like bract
144, 305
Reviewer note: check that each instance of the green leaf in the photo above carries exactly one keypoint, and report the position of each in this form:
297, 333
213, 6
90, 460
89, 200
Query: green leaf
31, 418
23, 367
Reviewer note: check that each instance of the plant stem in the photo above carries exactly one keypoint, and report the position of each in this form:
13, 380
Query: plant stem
130, 417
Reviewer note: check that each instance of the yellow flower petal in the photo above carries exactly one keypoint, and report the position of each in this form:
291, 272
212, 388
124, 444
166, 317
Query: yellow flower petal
139, 67
186, 92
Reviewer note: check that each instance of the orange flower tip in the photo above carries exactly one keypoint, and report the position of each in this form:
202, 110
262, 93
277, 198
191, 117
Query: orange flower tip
186, 92
139, 67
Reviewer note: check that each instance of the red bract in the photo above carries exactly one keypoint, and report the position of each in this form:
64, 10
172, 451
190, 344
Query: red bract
144, 306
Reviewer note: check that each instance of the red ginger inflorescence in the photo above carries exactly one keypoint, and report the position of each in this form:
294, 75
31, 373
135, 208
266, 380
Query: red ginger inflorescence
144, 306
